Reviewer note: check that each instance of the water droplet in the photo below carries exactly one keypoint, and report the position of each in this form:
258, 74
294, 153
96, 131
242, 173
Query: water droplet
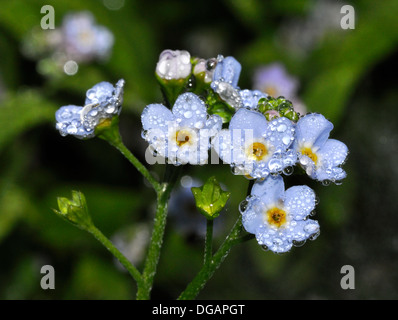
281, 128
286, 140
326, 182
187, 114
71, 129
243, 206
314, 236
297, 243
288, 170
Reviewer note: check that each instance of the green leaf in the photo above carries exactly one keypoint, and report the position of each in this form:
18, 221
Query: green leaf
210, 198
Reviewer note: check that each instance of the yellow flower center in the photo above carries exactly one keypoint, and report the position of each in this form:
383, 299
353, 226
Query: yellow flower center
310, 154
276, 217
182, 137
257, 151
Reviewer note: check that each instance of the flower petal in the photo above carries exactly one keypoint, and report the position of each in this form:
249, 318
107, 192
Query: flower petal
190, 110
228, 70
275, 240
299, 201
313, 130
331, 155
271, 190
279, 134
68, 113
245, 119
99, 93
156, 116
304, 230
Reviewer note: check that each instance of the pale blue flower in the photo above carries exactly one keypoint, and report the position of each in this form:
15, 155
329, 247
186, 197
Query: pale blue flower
279, 218
83, 39
103, 101
274, 80
182, 134
320, 156
255, 147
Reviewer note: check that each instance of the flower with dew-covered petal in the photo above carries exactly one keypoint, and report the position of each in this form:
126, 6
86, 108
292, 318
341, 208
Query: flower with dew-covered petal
182, 134
83, 39
254, 146
174, 64
320, 156
103, 101
279, 218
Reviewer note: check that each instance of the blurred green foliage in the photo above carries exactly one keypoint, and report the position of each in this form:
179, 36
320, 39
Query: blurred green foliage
343, 74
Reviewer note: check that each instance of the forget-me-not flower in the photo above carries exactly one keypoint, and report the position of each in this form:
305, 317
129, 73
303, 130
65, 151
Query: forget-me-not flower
83, 39
254, 146
103, 101
320, 156
279, 218
182, 134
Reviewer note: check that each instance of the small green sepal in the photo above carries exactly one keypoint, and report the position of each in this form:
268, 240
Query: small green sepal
210, 198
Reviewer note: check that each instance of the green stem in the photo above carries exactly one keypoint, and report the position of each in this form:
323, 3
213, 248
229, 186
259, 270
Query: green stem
207, 271
153, 255
208, 242
116, 253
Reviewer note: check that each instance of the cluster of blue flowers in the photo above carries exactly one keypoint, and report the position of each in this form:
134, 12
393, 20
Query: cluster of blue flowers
261, 137
259, 141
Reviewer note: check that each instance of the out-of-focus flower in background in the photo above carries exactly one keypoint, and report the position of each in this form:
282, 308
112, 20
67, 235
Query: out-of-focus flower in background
79, 39
132, 241
274, 80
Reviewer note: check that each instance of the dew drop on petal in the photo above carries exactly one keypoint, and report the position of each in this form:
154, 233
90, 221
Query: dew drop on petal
288, 171
243, 206
188, 114
297, 243
281, 128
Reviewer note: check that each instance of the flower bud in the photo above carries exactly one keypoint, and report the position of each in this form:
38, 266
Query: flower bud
75, 210
174, 65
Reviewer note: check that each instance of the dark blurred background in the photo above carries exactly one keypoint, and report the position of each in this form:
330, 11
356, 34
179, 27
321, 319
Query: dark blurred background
347, 75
